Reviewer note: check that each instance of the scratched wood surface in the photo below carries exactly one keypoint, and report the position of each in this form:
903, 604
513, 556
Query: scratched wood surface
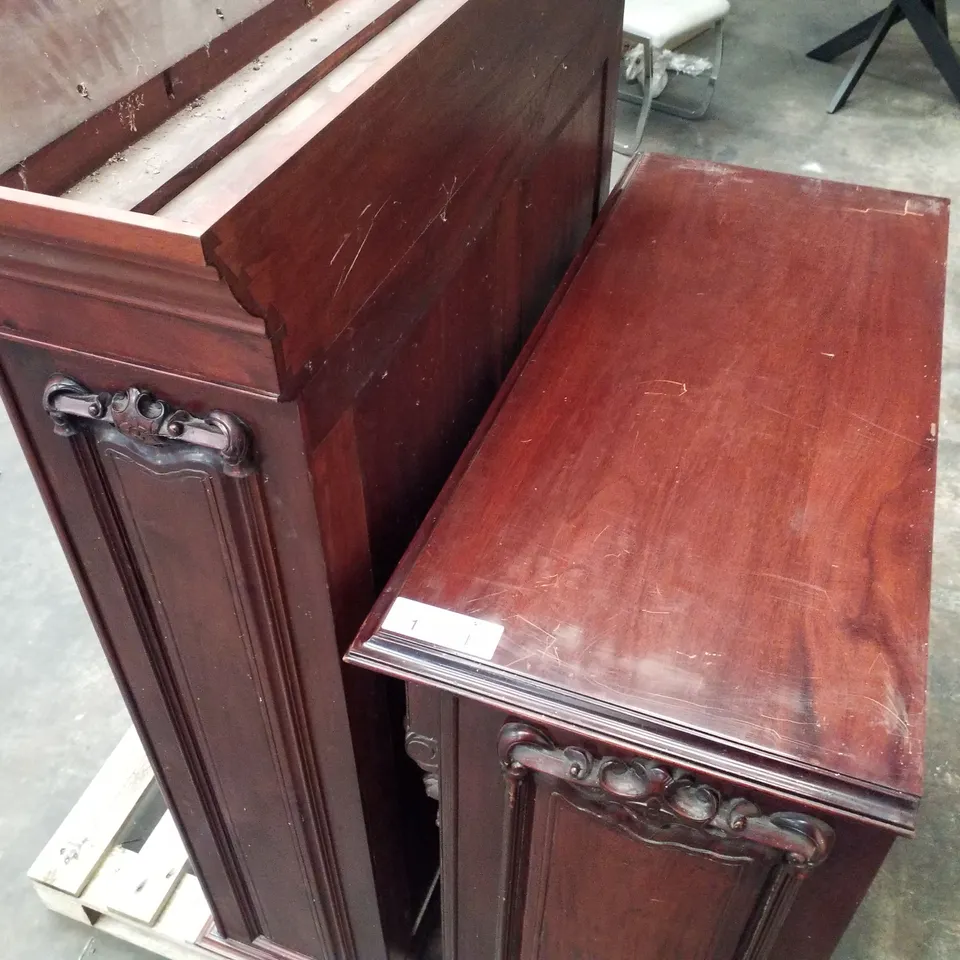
708, 500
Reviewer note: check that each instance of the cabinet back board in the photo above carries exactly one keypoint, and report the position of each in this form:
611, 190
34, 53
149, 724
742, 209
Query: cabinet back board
108, 73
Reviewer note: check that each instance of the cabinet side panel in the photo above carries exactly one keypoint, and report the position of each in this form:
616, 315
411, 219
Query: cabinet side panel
478, 827
415, 419
827, 901
412, 421
197, 583
398, 394
388, 416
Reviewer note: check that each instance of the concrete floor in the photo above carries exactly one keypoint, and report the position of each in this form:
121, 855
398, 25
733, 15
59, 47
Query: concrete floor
60, 714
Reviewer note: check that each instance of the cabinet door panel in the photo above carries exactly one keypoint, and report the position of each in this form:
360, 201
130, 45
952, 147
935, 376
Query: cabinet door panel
596, 890
620, 856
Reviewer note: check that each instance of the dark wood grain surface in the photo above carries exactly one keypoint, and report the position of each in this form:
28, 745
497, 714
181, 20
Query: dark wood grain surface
706, 506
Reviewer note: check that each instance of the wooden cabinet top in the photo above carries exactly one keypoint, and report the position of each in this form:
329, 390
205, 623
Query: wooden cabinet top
179, 239
703, 514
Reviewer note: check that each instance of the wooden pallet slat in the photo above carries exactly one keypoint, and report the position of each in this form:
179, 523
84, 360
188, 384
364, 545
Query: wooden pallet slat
177, 930
187, 914
146, 897
85, 837
144, 888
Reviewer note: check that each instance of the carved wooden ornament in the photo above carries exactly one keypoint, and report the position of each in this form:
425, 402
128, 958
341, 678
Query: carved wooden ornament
142, 417
646, 790
423, 750
641, 796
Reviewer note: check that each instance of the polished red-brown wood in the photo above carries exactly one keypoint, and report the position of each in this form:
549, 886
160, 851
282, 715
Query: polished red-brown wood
355, 278
718, 470
703, 516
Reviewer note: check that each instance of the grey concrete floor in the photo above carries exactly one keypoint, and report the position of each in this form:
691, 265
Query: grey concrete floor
61, 715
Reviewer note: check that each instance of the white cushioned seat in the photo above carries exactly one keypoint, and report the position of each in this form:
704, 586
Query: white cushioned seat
665, 22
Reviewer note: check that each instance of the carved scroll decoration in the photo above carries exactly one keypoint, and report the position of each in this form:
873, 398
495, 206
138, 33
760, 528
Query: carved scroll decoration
424, 752
142, 417
652, 794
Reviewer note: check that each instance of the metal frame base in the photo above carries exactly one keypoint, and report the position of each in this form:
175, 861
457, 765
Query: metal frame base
646, 101
929, 21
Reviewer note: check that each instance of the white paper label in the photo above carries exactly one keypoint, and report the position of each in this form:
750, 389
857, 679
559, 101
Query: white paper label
443, 628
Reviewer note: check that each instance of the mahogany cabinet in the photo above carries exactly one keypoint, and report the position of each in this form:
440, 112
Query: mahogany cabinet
665, 629
250, 313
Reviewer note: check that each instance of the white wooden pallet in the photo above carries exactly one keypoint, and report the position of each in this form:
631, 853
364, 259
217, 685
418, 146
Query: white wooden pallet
90, 871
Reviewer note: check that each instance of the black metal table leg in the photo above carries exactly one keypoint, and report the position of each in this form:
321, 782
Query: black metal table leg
935, 41
887, 19
929, 21
940, 12
845, 41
